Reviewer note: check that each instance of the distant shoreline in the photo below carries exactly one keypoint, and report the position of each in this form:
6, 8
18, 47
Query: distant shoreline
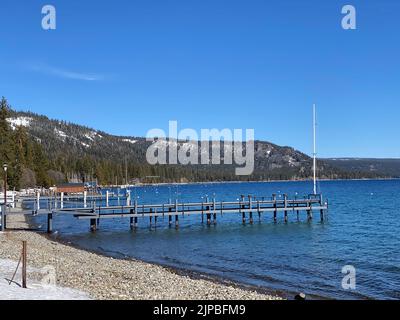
251, 181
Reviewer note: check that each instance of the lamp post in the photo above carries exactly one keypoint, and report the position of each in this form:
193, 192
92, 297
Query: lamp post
3, 212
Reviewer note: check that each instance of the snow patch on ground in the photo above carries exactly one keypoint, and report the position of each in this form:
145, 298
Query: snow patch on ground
60, 133
36, 290
92, 135
130, 141
20, 121
89, 137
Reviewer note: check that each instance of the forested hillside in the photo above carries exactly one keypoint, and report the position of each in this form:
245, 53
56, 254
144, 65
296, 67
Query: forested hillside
42, 152
388, 167
27, 163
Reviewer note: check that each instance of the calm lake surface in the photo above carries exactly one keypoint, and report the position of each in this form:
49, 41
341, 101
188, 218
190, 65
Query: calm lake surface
362, 229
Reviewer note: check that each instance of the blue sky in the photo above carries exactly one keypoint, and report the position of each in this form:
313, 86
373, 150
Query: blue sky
126, 67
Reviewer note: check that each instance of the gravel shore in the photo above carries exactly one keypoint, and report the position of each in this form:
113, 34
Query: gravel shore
106, 278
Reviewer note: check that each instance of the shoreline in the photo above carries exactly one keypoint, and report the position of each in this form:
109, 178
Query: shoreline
184, 272
106, 278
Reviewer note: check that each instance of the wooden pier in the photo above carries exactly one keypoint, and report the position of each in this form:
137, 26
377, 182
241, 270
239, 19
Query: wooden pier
247, 208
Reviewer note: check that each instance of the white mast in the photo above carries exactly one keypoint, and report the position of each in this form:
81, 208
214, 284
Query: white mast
315, 150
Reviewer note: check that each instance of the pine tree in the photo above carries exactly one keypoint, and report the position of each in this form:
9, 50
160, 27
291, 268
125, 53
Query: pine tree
7, 151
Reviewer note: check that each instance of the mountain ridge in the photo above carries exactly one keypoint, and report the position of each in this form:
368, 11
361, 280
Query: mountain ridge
80, 153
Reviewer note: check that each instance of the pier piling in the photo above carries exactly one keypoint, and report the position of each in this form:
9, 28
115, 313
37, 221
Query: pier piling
131, 211
214, 212
38, 200
250, 212
151, 217
62, 200
309, 215
50, 223
285, 204
131, 223
93, 225
208, 215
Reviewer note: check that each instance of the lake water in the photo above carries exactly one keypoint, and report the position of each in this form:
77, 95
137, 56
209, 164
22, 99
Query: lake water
362, 229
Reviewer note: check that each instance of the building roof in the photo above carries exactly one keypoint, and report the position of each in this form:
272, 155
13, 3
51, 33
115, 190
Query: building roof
69, 185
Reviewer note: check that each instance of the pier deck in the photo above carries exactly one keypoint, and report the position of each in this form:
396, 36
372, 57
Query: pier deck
208, 210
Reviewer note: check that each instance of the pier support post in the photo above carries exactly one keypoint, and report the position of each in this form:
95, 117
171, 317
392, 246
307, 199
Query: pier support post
50, 223
128, 198
133, 220
131, 223
176, 216
62, 200
169, 217
275, 207
151, 217
93, 225
214, 212
84, 199
286, 213
244, 217
208, 215
38, 201
107, 197
322, 210
250, 212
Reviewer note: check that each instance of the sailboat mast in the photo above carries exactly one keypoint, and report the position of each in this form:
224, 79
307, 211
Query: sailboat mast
315, 150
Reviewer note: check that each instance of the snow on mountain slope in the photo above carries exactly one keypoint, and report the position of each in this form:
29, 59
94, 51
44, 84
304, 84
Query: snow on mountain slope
19, 121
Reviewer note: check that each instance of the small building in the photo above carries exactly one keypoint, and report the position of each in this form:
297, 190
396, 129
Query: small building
70, 188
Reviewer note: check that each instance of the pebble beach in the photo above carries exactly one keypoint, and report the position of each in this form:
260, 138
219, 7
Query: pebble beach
106, 278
